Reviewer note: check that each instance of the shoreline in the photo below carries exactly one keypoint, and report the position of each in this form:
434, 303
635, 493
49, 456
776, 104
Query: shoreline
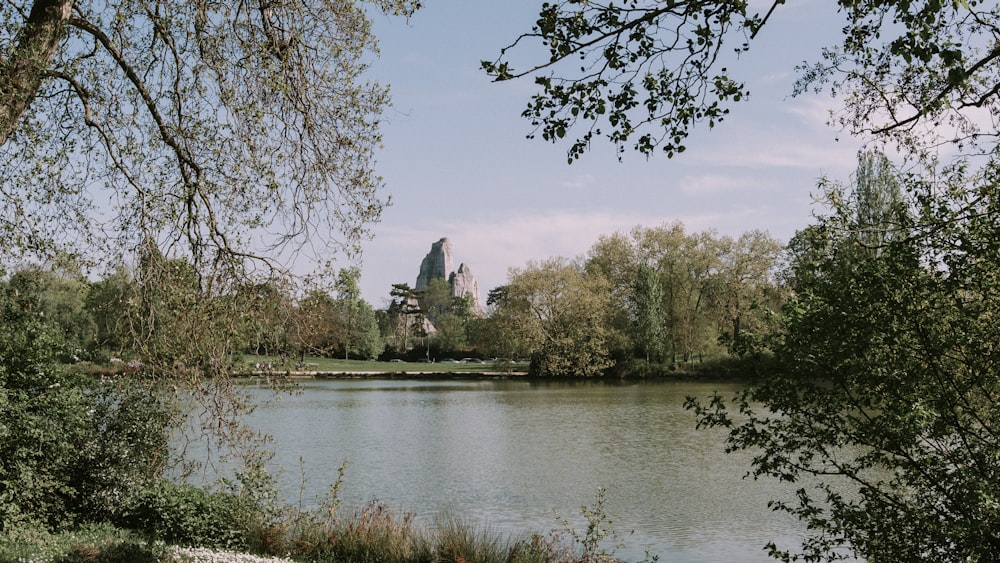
375, 374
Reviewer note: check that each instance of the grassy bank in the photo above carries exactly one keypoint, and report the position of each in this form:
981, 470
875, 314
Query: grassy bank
331, 366
372, 533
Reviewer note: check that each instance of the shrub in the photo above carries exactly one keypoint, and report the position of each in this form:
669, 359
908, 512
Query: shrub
93, 543
71, 449
188, 515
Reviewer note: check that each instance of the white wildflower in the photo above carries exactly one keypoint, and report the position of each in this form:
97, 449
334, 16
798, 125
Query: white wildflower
203, 555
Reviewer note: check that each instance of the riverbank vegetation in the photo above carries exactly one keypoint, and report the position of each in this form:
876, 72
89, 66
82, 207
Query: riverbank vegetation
882, 402
185, 524
881, 393
651, 302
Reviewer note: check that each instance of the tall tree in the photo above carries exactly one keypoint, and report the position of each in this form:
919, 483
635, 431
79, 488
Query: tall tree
205, 142
561, 314
615, 257
405, 315
349, 305
647, 307
883, 402
228, 126
880, 210
499, 333
748, 289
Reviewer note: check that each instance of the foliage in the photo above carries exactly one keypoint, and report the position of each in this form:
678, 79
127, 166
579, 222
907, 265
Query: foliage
749, 293
107, 303
499, 334
644, 73
448, 314
361, 336
559, 313
883, 406
657, 294
678, 294
71, 449
344, 326
188, 515
647, 309
406, 319
594, 540
57, 297
89, 543
225, 128
205, 145
170, 515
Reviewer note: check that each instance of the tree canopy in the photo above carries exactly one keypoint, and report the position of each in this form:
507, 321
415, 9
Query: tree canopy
644, 73
881, 408
881, 402
221, 130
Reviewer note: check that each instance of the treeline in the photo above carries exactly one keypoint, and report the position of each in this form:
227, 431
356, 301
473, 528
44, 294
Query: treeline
638, 303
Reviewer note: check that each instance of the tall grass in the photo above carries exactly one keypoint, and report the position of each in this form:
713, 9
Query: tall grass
197, 518
373, 533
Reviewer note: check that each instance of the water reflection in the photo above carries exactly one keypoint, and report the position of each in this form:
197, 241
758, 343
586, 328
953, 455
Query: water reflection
511, 454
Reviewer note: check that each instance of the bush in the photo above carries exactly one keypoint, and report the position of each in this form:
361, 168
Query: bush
188, 515
100, 543
71, 449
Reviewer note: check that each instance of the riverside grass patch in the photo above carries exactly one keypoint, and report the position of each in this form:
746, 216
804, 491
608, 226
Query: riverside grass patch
371, 533
279, 366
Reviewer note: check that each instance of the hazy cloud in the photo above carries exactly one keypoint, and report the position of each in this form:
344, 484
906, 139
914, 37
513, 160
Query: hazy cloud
579, 182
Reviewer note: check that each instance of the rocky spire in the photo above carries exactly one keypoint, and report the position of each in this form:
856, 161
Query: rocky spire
437, 264
464, 282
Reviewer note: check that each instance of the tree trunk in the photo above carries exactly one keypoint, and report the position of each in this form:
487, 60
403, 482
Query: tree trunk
21, 75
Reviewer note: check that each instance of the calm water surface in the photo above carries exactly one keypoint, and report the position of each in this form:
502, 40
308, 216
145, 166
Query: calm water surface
511, 455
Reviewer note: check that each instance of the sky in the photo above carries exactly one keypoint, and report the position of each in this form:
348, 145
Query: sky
457, 164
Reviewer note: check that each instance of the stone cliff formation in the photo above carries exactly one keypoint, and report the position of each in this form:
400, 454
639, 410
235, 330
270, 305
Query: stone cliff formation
438, 264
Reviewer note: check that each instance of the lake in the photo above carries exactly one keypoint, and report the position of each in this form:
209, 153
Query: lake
512, 455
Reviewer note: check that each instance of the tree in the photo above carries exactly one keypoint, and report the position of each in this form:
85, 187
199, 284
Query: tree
647, 307
107, 302
59, 298
207, 143
499, 333
560, 312
268, 306
646, 72
885, 391
748, 290
692, 281
348, 305
878, 201
71, 449
314, 325
615, 258
405, 316
364, 340
208, 123
882, 405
